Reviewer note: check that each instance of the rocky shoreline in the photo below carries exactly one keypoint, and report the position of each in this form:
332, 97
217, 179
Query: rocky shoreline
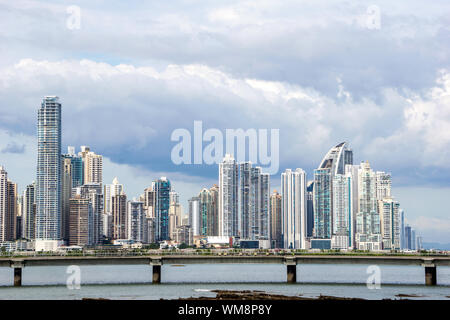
261, 295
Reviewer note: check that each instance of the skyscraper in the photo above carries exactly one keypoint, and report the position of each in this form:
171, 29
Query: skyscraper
332, 164
228, 197
174, 214
48, 183
135, 221
205, 209
254, 188
368, 233
66, 194
402, 229
8, 207
309, 209
275, 215
162, 189
119, 216
342, 218
390, 223
194, 216
293, 208
29, 212
213, 214
80, 212
93, 166
93, 192
111, 190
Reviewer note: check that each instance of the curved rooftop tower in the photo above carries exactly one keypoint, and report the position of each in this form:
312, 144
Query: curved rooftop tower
336, 158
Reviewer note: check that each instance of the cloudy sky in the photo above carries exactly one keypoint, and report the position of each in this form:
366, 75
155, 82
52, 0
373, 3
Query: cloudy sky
128, 73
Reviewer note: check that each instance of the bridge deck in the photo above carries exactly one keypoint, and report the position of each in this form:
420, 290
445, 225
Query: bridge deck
230, 259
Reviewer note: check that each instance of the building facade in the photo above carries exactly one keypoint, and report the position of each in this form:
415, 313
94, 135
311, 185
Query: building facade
48, 182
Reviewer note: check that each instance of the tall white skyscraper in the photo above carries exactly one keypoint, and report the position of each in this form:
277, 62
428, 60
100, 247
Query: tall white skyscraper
48, 182
111, 190
228, 197
342, 229
194, 216
293, 208
389, 211
368, 234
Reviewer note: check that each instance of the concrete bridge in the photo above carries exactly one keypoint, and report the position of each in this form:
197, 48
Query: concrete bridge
430, 263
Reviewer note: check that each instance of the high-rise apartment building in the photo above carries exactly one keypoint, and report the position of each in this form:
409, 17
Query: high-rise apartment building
175, 212
293, 208
48, 183
213, 214
162, 189
92, 165
66, 194
29, 212
8, 207
342, 218
111, 190
135, 221
205, 207
309, 209
332, 164
276, 234
93, 192
80, 213
228, 197
194, 216
254, 202
368, 232
389, 211
119, 216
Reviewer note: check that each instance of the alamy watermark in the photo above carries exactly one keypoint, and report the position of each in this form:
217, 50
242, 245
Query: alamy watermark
73, 21
245, 145
374, 279
373, 17
74, 279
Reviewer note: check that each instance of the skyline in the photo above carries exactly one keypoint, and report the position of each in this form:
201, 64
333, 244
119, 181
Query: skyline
348, 200
391, 105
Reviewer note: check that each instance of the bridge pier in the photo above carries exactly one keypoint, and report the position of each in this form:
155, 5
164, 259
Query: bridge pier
430, 275
156, 263
291, 266
17, 266
17, 277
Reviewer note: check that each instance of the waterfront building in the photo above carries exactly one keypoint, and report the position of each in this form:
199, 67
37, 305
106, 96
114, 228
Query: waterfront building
194, 216
29, 212
162, 188
111, 190
48, 182
342, 218
92, 166
276, 234
390, 223
135, 221
332, 164
80, 214
8, 207
293, 209
213, 214
119, 216
368, 232
228, 197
